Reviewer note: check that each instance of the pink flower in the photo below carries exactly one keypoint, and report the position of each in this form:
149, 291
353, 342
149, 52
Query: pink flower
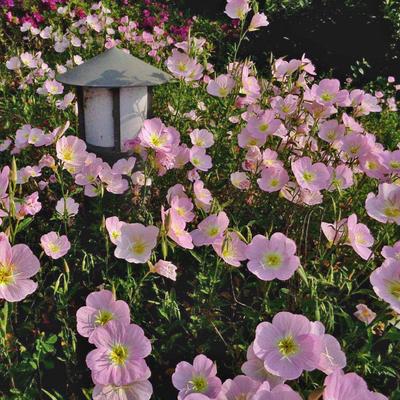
335, 232
4, 179
386, 282
71, 150
384, 207
222, 86
280, 392
137, 390
272, 258
240, 180
136, 243
364, 314
359, 237
124, 166
240, 387
328, 92
254, 368
273, 179
258, 20
156, 135
202, 138
66, 101
332, 357
165, 268
210, 230
311, 176
175, 226
197, 378
263, 125
113, 226
287, 345
203, 196
231, 249
51, 86
392, 251
237, 9
331, 131
200, 159
17, 265
101, 308
340, 386
342, 178
119, 355
183, 207
55, 246
182, 66
67, 207
13, 63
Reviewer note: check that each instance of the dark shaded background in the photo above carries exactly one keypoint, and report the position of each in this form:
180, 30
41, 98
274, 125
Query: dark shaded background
334, 34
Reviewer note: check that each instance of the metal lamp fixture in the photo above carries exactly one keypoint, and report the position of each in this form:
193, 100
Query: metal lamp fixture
114, 92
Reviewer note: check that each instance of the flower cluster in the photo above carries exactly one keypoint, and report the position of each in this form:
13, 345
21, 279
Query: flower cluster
117, 364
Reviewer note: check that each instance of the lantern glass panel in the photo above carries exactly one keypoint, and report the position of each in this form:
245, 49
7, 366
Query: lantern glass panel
133, 111
98, 112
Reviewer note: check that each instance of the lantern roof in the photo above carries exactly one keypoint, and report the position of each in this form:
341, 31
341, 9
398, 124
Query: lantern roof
114, 68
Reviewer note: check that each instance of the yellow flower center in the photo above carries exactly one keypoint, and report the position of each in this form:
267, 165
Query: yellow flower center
195, 162
331, 135
272, 260
67, 154
394, 289
308, 176
199, 384
155, 140
54, 248
392, 212
115, 234
274, 182
119, 354
6, 274
372, 165
102, 317
288, 346
199, 142
326, 96
182, 67
263, 127
223, 91
394, 164
213, 231
138, 248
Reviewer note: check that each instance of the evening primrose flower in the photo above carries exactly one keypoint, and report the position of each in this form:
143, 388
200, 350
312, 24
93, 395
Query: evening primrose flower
55, 246
203, 196
200, 159
272, 258
237, 9
113, 226
389, 251
210, 230
385, 281
202, 138
71, 150
68, 207
240, 180
364, 314
136, 243
359, 237
164, 268
197, 378
101, 308
221, 86
119, 355
280, 392
311, 176
240, 387
157, 136
273, 179
385, 206
231, 249
137, 390
259, 20
17, 265
287, 345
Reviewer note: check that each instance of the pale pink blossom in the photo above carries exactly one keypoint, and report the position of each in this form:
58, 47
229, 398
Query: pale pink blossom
210, 230
67, 207
136, 243
164, 268
364, 314
259, 20
202, 138
55, 246
222, 86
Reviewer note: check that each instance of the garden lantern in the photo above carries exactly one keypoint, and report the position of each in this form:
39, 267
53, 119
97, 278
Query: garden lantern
114, 92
